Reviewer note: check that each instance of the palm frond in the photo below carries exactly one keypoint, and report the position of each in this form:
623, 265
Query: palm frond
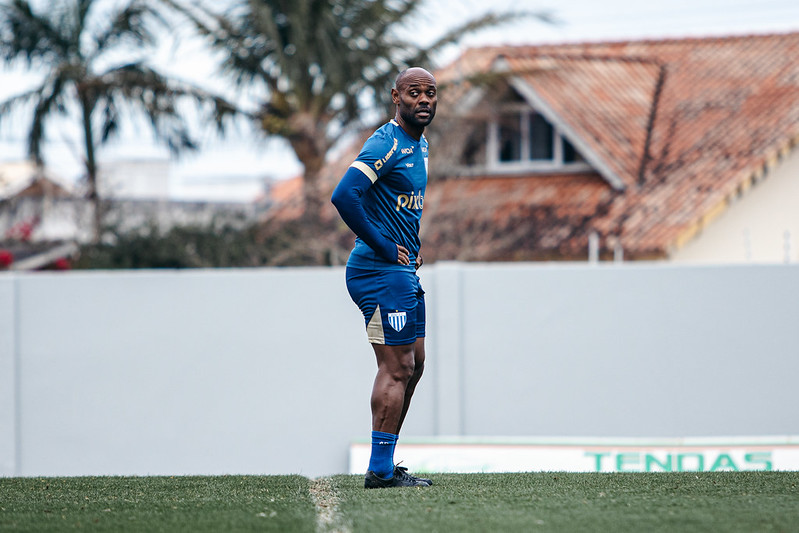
49, 98
30, 36
156, 96
133, 24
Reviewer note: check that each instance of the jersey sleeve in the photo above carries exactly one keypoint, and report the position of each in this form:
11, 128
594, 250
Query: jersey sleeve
348, 199
377, 157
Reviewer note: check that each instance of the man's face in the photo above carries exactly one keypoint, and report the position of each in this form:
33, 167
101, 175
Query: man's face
416, 98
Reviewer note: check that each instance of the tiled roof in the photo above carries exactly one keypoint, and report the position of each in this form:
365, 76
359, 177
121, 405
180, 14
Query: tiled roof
675, 130
510, 218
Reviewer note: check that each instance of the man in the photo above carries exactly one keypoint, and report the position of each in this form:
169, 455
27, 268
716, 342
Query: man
380, 198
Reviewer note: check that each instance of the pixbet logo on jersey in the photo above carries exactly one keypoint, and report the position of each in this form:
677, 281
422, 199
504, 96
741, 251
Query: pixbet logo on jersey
411, 201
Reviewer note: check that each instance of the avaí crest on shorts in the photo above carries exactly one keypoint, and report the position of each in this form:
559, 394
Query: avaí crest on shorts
397, 320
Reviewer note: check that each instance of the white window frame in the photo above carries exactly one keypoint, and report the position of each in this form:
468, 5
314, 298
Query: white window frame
525, 164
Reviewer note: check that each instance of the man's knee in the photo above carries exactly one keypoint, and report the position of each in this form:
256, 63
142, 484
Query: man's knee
406, 369
398, 361
407, 373
415, 367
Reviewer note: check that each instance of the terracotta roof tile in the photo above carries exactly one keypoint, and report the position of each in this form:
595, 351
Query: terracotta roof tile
508, 218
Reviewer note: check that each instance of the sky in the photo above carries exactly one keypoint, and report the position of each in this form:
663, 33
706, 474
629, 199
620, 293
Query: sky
243, 155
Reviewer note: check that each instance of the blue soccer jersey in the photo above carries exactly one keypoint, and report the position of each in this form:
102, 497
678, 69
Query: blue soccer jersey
396, 164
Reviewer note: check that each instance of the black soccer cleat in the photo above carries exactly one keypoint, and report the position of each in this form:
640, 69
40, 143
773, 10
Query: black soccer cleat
402, 471
373, 481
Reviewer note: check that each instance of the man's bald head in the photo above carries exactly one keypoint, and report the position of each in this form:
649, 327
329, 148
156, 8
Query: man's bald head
413, 73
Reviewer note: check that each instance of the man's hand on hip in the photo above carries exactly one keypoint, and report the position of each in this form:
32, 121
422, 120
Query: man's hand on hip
403, 257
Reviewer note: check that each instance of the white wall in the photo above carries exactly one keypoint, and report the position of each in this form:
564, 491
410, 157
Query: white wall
629, 351
752, 230
185, 372
8, 376
268, 370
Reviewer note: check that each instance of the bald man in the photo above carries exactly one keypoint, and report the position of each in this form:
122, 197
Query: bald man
380, 198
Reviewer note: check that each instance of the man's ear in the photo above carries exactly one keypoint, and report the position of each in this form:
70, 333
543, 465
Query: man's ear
395, 96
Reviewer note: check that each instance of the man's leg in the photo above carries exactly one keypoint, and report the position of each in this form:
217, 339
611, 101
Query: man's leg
418, 351
396, 367
396, 370
418, 370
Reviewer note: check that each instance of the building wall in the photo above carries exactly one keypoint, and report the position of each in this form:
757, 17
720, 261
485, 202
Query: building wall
761, 227
145, 179
268, 370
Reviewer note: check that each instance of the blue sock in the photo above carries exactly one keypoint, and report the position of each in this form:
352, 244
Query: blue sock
382, 460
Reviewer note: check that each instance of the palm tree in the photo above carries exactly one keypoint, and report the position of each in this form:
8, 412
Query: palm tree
321, 63
75, 44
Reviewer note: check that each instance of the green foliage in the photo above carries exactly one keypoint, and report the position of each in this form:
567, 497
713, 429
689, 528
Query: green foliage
180, 247
302, 241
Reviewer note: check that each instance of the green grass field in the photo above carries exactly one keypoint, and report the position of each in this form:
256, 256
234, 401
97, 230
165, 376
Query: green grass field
720, 501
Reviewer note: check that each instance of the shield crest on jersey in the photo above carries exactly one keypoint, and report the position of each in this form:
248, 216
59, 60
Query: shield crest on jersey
397, 320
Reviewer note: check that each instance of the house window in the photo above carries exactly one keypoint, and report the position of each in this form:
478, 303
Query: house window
522, 139
541, 137
510, 139
570, 155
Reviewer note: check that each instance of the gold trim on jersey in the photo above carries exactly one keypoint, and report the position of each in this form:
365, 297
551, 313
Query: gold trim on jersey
374, 330
366, 169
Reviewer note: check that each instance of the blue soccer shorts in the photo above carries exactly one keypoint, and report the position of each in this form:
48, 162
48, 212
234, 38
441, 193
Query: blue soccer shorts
392, 303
